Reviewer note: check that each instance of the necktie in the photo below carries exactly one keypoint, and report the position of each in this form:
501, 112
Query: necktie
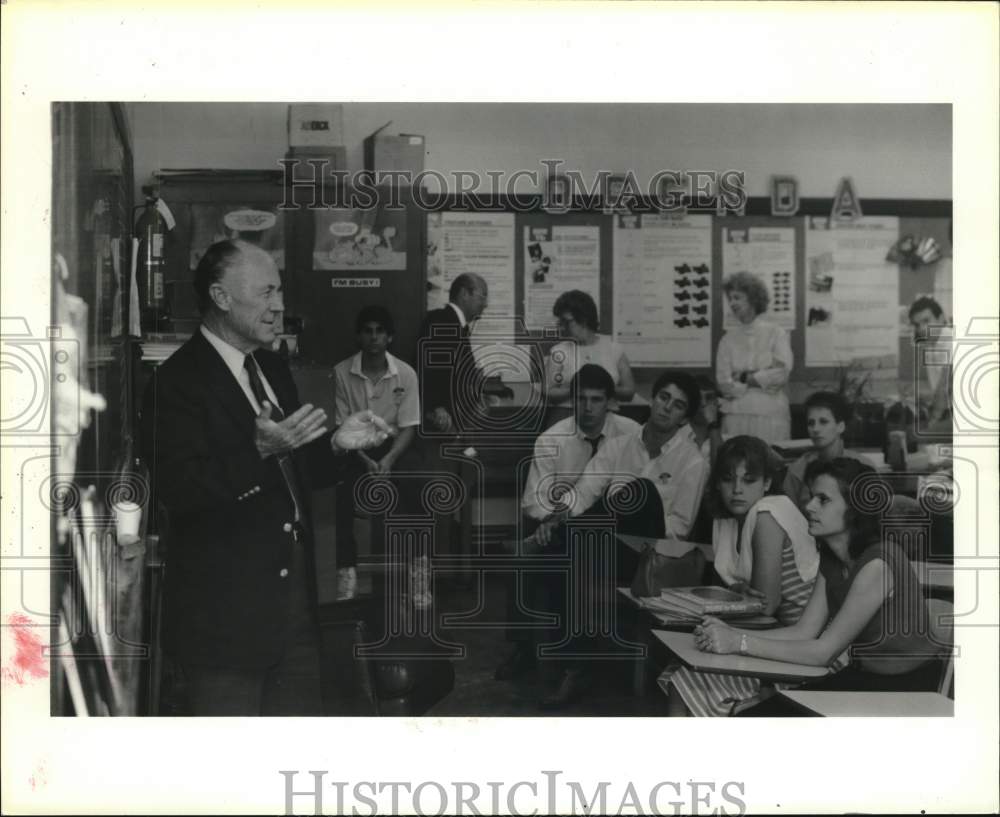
257, 387
284, 460
594, 443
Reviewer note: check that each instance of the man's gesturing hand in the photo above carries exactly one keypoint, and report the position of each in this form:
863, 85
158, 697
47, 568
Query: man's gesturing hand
304, 426
363, 429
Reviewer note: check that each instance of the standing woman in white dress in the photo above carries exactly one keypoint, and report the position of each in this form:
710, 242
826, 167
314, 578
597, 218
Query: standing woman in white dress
752, 365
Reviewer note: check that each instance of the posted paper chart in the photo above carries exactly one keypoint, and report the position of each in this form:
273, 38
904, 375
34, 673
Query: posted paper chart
768, 253
481, 243
663, 289
852, 292
556, 260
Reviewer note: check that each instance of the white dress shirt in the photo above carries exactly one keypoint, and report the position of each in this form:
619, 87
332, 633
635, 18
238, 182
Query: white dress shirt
234, 360
679, 473
461, 315
561, 453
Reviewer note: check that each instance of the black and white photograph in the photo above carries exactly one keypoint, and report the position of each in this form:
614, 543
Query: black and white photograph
348, 471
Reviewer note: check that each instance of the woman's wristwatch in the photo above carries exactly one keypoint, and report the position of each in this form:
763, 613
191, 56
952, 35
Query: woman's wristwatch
743, 644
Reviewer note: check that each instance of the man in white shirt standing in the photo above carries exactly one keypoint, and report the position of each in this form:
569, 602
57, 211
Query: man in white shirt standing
932, 333
376, 380
659, 465
561, 453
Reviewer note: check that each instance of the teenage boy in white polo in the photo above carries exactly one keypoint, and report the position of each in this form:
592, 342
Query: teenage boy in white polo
371, 379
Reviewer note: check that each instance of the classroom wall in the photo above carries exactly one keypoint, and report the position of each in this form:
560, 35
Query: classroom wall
891, 151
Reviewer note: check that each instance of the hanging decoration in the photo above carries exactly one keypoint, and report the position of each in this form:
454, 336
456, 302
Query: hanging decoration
914, 252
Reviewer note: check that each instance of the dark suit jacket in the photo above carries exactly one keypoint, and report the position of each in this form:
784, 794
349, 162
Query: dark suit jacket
446, 367
228, 531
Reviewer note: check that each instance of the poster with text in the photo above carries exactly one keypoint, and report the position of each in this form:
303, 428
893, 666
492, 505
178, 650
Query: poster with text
260, 225
556, 260
663, 289
852, 292
351, 238
480, 243
768, 253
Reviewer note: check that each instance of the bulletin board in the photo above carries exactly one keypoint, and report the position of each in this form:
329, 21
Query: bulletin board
395, 269
918, 218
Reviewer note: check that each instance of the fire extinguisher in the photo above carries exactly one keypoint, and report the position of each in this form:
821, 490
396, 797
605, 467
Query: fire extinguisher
151, 230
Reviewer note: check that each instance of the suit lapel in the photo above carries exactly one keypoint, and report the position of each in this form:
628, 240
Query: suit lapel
219, 381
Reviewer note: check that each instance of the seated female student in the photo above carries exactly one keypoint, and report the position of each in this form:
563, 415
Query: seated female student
866, 598
826, 417
762, 546
576, 314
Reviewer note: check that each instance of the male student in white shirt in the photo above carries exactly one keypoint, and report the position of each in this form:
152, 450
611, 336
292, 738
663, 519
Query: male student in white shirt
667, 473
661, 452
931, 329
561, 453
376, 380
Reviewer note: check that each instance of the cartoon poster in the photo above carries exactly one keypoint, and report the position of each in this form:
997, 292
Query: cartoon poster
263, 225
349, 238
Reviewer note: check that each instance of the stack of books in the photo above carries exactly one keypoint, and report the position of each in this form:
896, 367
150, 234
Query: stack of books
157, 347
689, 605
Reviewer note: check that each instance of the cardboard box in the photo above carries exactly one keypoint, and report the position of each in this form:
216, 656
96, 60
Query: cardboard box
335, 156
403, 151
315, 125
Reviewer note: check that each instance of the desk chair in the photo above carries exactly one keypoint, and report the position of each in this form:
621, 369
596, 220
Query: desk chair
407, 681
941, 622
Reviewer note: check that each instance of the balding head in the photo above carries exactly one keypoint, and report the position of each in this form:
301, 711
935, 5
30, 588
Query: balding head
470, 294
218, 258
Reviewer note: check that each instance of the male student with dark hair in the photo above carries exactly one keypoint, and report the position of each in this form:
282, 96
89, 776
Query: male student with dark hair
561, 453
662, 470
934, 381
377, 380
660, 452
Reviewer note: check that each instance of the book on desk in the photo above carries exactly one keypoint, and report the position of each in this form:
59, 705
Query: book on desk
668, 616
711, 601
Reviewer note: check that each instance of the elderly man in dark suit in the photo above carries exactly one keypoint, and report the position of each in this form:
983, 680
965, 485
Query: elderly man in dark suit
451, 382
233, 455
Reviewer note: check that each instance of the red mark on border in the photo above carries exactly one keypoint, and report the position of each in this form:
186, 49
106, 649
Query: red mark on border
28, 661
40, 778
